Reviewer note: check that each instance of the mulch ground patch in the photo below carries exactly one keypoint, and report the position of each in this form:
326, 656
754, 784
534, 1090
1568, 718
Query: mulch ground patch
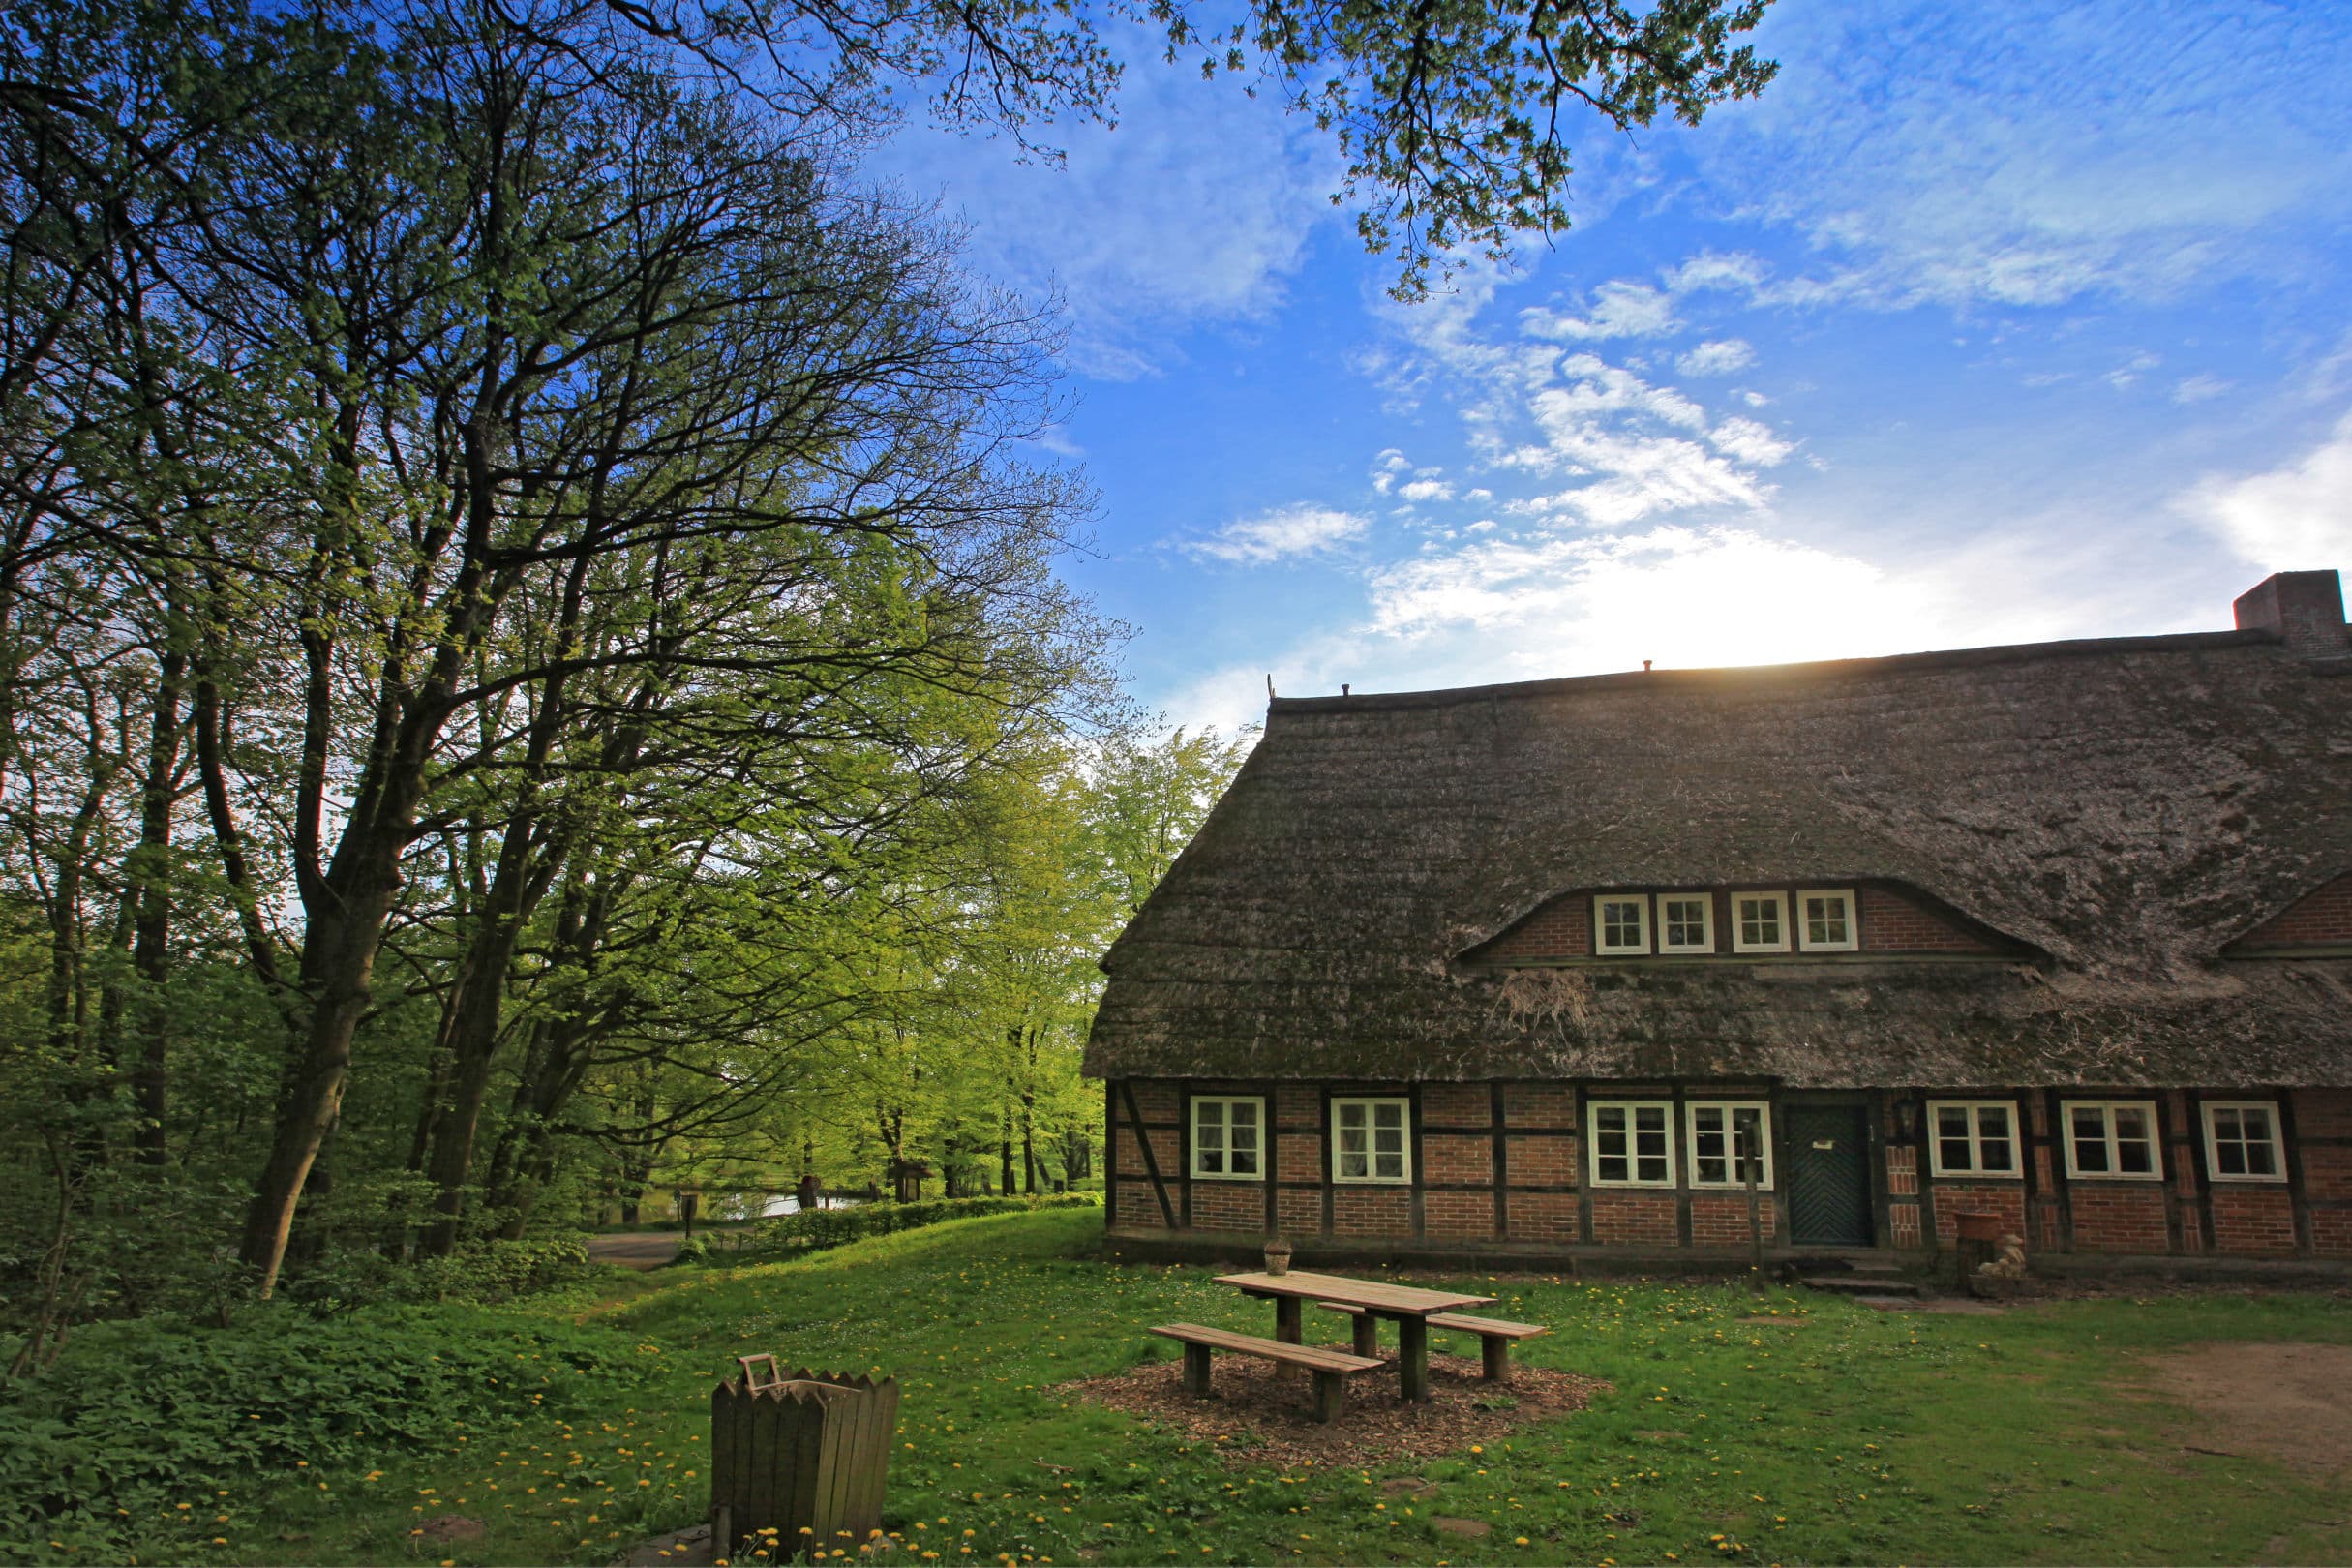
1253, 1419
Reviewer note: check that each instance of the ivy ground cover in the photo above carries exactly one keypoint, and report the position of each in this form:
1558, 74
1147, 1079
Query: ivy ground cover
1791, 1428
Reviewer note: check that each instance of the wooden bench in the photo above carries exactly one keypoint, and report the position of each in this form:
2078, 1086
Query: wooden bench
1495, 1336
1331, 1366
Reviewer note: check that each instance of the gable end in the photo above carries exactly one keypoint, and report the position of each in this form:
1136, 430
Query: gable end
2319, 923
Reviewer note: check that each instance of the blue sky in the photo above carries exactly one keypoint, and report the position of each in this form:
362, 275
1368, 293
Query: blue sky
1986, 323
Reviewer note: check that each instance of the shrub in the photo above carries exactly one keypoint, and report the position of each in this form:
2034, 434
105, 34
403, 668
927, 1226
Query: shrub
814, 1229
141, 1415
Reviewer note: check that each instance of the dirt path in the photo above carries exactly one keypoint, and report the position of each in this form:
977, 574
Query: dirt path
636, 1248
2283, 1402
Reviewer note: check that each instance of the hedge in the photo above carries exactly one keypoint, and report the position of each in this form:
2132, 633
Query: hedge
814, 1229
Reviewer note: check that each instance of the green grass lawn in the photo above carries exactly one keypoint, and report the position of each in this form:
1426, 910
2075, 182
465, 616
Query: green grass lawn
1833, 1435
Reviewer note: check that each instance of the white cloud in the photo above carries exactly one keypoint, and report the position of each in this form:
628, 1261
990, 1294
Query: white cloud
1426, 490
1720, 357
1620, 308
2131, 370
2199, 388
2295, 518
1118, 229
1386, 467
1930, 153
1287, 531
1750, 440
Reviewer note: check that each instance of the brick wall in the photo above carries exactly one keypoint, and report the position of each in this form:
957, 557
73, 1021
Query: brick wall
1457, 1105
2326, 1166
1448, 1159
1298, 1104
2118, 1217
2253, 1220
1559, 929
1139, 1207
1538, 1105
1228, 1206
1952, 1199
1298, 1213
1720, 1220
1458, 1215
1159, 1101
1893, 924
2321, 915
1647, 1218
1365, 1212
1546, 1162
1544, 1216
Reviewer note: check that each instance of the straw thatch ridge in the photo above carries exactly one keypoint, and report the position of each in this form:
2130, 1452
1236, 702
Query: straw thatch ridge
2123, 808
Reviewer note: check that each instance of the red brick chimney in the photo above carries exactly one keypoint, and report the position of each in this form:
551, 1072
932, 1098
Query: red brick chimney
2305, 609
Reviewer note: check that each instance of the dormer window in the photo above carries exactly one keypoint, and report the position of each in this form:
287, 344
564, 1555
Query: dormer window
1825, 921
1759, 922
1686, 922
1620, 924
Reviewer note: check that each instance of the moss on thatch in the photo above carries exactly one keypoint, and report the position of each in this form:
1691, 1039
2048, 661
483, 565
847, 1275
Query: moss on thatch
2123, 808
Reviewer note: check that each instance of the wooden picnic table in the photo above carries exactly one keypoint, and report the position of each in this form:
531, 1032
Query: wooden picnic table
1411, 1306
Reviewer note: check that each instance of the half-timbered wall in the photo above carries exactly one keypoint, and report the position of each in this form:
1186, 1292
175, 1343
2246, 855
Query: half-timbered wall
1505, 1163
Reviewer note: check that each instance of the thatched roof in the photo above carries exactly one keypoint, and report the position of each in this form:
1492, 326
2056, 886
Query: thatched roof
2121, 807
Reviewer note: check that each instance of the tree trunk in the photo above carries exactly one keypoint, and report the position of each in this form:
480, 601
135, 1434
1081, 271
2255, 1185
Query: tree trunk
149, 876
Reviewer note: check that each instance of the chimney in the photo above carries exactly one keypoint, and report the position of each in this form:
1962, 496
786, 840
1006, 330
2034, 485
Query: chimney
2305, 609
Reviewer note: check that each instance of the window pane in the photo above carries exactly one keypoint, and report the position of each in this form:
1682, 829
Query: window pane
2230, 1158
1685, 923
1610, 1119
1621, 924
2261, 1158
2226, 1127
1392, 1166
1389, 1140
1760, 922
1388, 1115
1245, 1161
1244, 1114
1351, 1163
1650, 1118
1825, 922
1954, 1155
1994, 1154
2134, 1142
2090, 1131
1351, 1140
1613, 1167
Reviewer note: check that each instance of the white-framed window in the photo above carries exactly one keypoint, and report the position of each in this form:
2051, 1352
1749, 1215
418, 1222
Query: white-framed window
1633, 1143
1759, 922
1686, 922
1721, 1129
1371, 1140
1620, 923
1825, 921
2112, 1139
1229, 1138
1973, 1137
2241, 1141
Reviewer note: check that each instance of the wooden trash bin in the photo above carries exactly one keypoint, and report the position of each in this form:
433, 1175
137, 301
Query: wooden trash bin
802, 1456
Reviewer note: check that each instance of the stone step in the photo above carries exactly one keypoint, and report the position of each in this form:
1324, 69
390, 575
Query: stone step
1859, 1285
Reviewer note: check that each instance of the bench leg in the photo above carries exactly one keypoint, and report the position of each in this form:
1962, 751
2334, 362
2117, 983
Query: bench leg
1494, 1352
1289, 1327
1330, 1396
1413, 1358
1367, 1334
1196, 1371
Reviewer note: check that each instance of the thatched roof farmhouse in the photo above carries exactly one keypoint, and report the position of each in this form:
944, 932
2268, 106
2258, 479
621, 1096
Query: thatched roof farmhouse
2060, 932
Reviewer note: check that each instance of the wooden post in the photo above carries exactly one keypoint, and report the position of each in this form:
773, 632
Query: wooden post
1330, 1396
1413, 1356
1196, 1371
1495, 1358
1366, 1334
1289, 1327
1741, 1139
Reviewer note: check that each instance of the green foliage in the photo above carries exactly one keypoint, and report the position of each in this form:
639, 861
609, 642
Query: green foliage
145, 1416
816, 1230
484, 1273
